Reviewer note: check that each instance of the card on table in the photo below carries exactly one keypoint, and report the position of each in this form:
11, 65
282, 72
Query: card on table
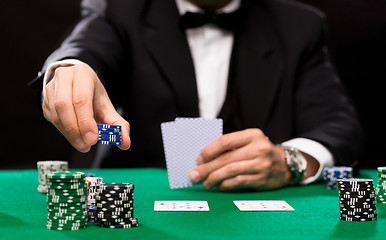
183, 140
263, 206
181, 206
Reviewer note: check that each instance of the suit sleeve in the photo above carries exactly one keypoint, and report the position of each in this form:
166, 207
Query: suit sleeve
94, 41
324, 112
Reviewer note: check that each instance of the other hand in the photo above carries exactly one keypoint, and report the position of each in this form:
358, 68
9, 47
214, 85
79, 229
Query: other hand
244, 159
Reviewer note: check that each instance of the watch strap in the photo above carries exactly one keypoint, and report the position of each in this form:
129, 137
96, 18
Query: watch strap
294, 164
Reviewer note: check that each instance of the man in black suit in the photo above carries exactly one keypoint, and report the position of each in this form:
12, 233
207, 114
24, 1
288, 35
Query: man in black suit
264, 71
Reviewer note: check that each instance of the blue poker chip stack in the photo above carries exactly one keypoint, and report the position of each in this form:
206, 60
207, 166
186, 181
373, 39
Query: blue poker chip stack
109, 134
91, 213
332, 174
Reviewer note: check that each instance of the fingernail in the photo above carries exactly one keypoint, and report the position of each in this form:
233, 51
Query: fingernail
86, 149
205, 184
89, 137
195, 176
200, 160
79, 143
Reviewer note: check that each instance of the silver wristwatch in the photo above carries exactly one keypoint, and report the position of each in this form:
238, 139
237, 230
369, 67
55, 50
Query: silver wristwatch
296, 163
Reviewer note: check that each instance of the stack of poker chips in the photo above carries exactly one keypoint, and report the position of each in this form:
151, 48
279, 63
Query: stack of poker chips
92, 187
332, 174
380, 191
45, 167
66, 199
110, 134
357, 200
115, 205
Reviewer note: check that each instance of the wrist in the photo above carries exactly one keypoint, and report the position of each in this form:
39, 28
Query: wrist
296, 163
287, 174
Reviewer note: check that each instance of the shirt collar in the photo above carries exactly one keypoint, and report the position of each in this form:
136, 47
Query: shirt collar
186, 6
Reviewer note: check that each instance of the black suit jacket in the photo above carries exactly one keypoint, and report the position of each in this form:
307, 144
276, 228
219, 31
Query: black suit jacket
280, 80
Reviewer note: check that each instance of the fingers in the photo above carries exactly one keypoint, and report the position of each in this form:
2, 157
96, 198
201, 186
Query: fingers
61, 99
126, 142
82, 101
233, 171
262, 172
228, 142
110, 116
254, 181
249, 144
250, 160
202, 171
104, 112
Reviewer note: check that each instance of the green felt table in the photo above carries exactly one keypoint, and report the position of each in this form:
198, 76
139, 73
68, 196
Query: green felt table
23, 212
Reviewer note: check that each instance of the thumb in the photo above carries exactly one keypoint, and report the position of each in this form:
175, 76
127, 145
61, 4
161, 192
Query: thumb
105, 113
125, 131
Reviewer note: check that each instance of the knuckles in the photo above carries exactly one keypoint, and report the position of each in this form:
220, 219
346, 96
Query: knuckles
71, 129
241, 180
60, 105
225, 141
233, 169
81, 67
79, 101
254, 132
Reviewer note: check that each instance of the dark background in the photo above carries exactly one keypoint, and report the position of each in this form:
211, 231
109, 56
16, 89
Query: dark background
31, 30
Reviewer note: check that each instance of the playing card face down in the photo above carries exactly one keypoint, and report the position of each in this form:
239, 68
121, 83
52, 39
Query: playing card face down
183, 140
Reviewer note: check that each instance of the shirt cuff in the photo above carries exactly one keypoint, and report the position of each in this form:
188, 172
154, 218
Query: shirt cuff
316, 150
49, 74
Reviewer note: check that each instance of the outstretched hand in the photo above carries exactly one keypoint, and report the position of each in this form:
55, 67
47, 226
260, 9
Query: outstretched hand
75, 101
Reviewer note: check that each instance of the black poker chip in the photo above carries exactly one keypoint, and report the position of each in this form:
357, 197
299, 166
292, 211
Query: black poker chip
117, 221
115, 194
118, 187
113, 198
114, 211
114, 215
357, 200
119, 225
114, 201
114, 205
106, 203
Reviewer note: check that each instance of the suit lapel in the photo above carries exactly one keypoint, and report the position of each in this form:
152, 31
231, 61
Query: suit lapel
167, 44
257, 66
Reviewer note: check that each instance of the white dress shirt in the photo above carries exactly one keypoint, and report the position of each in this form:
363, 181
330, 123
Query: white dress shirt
211, 49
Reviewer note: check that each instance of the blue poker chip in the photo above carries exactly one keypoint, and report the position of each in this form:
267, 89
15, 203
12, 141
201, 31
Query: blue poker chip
106, 126
110, 137
91, 216
109, 132
91, 211
109, 142
332, 174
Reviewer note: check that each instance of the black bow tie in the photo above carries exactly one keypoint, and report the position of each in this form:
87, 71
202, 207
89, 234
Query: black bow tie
227, 21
